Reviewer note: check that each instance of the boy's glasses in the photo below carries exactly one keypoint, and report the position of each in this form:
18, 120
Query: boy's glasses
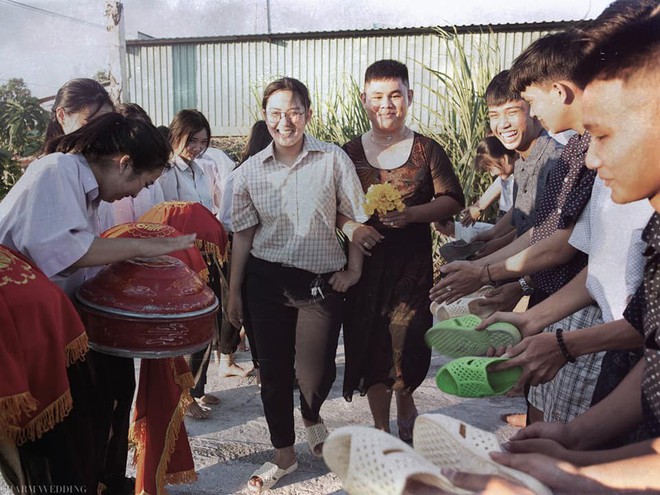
274, 116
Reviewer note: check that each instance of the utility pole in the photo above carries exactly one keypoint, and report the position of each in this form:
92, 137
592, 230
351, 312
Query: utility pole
268, 14
114, 11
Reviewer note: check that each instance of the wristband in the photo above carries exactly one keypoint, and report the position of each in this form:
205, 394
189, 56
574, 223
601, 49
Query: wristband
562, 346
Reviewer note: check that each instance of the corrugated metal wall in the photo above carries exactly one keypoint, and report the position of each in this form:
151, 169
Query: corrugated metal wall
222, 77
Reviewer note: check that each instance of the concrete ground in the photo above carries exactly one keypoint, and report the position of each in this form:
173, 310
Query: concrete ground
234, 441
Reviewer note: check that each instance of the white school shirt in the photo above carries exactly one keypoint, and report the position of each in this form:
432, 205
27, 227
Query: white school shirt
611, 234
129, 209
186, 182
506, 196
51, 216
217, 166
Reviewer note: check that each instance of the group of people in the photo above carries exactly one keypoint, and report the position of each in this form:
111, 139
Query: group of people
577, 234
581, 241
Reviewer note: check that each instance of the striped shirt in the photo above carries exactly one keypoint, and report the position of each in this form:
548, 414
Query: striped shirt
295, 207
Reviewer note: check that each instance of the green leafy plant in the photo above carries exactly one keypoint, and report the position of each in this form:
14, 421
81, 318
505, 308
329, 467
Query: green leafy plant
341, 117
22, 125
460, 119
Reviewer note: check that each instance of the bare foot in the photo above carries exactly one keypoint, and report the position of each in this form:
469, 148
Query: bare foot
197, 411
233, 370
519, 420
209, 399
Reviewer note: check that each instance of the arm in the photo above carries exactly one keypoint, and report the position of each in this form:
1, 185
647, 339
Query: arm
502, 227
497, 244
242, 244
472, 213
437, 209
363, 237
104, 251
569, 299
342, 280
595, 427
465, 277
552, 251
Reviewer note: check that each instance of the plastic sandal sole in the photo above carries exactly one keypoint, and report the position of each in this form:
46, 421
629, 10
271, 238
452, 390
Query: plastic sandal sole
468, 377
457, 338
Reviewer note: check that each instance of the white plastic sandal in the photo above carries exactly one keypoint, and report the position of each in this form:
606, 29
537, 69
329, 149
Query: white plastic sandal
316, 436
450, 443
463, 306
269, 474
372, 462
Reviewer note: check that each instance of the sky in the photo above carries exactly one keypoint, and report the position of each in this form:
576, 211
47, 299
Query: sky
69, 40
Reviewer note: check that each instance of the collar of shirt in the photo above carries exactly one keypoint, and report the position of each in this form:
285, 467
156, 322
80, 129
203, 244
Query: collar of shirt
310, 144
89, 182
538, 148
191, 167
651, 235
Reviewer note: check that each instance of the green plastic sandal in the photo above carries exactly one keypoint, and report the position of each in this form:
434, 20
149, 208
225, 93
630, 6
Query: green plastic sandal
468, 377
457, 337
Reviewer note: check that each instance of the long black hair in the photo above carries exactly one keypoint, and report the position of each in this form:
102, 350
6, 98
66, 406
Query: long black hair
113, 133
75, 96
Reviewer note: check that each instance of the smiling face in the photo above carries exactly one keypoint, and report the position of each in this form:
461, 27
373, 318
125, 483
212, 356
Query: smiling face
195, 145
286, 118
625, 145
513, 126
546, 104
386, 102
72, 121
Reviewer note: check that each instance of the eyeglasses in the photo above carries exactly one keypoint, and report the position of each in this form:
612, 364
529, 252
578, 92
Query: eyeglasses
274, 116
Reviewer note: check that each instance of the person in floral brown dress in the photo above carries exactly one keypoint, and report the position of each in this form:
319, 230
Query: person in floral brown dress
388, 310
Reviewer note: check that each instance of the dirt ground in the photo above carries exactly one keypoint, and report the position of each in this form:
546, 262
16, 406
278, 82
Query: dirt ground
234, 442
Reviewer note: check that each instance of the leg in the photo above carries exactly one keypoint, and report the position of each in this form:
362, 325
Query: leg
406, 413
380, 398
273, 325
317, 334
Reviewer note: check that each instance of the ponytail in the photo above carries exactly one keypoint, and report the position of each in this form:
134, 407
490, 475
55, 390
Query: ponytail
113, 133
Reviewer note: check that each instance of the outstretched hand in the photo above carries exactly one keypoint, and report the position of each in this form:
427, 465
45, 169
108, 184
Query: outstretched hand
159, 246
540, 358
459, 279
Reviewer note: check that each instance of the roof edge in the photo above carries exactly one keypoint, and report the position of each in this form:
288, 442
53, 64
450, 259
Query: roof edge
497, 28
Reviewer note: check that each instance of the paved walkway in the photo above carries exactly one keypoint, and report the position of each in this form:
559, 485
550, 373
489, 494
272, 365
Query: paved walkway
230, 445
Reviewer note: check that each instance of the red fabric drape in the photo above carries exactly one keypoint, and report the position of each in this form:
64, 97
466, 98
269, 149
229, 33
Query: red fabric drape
40, 336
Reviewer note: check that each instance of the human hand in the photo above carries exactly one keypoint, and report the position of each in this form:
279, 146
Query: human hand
558, 475
396, 219
470, 215
485, 483
365, 237
459, 278
543, 446
502, 298
559, 432
540, 358
521, 321
164, 245
235, 310
343, 280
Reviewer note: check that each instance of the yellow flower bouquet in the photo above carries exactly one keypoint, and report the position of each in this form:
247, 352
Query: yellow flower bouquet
382, 198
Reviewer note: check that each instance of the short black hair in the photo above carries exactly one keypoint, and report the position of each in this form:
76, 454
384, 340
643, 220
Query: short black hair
554, 57
387, 69
287, 84
499, 91
633, 48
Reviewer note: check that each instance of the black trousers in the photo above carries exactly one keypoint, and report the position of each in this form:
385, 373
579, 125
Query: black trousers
296, 338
